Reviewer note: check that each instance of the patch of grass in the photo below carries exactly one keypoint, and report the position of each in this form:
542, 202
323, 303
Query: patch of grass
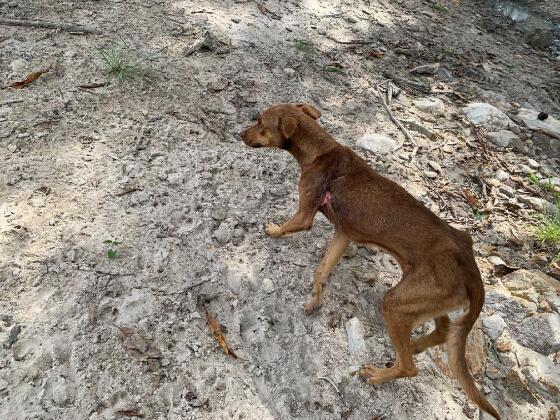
332, 68
303, 45
440, 8
111, 253
548, 185
116, 63
479, 214
550, 231
533, 179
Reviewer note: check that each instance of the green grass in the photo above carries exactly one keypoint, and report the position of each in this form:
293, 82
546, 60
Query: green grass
115, 61
533, 179
440, 8
303, 45
111, 253
550, 231
332, 68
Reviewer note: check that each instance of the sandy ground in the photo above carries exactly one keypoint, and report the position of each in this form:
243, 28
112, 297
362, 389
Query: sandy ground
155, 162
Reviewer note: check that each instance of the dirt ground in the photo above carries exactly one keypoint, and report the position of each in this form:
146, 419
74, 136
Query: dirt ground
155, 162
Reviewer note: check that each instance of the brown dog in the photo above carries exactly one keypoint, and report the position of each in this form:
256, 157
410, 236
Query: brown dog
439, 270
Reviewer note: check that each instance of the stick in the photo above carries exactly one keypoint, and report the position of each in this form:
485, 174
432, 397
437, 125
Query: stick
330, 381
131, 190
49, 25
354, 42
394, 119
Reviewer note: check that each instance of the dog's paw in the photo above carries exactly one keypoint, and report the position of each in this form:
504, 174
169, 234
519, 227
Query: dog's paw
312, 305
273, 230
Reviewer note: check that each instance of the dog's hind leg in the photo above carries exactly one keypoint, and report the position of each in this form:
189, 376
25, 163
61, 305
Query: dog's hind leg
327, 265
435, 338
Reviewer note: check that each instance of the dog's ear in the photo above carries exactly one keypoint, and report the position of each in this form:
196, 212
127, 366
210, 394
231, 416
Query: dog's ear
310, 110
288, 126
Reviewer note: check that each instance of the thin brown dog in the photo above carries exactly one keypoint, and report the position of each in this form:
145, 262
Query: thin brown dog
439, 270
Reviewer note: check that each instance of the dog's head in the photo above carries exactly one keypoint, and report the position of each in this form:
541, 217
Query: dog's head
277, 124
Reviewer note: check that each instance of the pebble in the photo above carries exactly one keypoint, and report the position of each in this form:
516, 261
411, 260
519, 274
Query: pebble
501, 175
430, 105
268, 285
487, 115
502, 138
289, 72
355, 337
493, 326
377, 143
431, 174
12, 147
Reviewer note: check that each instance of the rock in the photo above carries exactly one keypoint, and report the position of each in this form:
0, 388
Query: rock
517, 386
523, 279
268, 285
289, 72
12, 147
444, 75
493, 326
223, 233
355, 336
486, 115
431, 174
435, 166
540, 38
540, 372
533, 163
233, 280
550, 126
377, 143
501, 175
503, 343
12, 336
429, 69
553, 300
539, 204
419, 128
502, 138
430, 105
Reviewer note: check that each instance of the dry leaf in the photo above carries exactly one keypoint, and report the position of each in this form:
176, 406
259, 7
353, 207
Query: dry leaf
29, 79
130, 413
471, 197
137, 346
218, 334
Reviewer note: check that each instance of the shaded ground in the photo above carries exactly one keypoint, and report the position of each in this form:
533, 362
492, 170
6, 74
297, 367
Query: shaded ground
155, 162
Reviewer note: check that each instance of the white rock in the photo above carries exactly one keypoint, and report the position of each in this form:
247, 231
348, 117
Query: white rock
493, 326
268, 285
431, 174
377, 143
355, 336
501, 175
554, 181
502, 138
12, 147
487, 116
289, 72
533, 163
550, 126
430, 105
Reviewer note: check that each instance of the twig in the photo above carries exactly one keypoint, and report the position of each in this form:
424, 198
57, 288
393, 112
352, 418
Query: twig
330, 381
353, 42
393, 118
49, 25
93, 85
131, 190
14, 101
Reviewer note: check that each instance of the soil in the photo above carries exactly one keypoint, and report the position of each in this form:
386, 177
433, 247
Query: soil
155, 162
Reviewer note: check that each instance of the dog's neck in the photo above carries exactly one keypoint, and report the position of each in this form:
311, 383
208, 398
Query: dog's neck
309, 142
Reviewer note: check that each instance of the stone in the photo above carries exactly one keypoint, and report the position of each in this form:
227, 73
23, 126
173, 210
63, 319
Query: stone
487, 116
533, 163
289, 72
503, 343
428, 69
223, 233
541, 372
550, 126
540, 204
431, 174
12, 147
502, 138
553, 300
233, 281
493, 326
501, 175
523, 279
430, 105
419, 128
377, 143
268, 286
355, 337
435, 166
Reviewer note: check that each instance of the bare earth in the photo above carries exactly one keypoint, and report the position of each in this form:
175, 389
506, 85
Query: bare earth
155, 162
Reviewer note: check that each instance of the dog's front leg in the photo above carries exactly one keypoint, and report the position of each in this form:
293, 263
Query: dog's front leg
302, 220
327, 265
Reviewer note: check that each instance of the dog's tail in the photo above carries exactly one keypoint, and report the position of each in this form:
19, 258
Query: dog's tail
456, 346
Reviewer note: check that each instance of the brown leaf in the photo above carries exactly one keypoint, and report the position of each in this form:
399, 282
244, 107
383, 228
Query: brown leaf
137, 346
130, 413
218, 334
375, 54
29, 79
469, 195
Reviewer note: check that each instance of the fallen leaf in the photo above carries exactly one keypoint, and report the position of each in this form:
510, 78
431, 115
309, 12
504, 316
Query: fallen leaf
29, 79
471, 198
130, 413
137, 346
218, 334
375, 54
